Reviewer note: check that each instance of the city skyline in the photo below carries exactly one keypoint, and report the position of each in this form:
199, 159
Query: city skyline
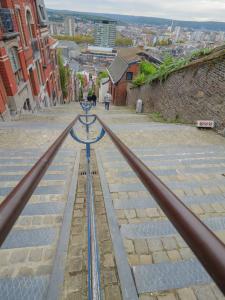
203, 10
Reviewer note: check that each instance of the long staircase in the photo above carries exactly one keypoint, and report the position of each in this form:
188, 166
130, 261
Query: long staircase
152, 259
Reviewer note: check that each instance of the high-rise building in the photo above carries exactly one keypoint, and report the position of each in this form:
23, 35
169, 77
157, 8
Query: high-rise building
105, 33
70, 26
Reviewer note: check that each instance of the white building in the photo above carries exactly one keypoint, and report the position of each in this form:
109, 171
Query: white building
105, 33
103, 89
55, 28
70, 26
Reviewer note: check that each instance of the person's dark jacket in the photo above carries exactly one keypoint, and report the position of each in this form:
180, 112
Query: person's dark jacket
94, 98
89, 98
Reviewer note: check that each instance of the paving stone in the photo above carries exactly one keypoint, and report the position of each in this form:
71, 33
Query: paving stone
152, 212
109, 277
112, 293
44, 270
174, 255
25, 271
204, 292
186, 293
35, 255
75, 265
130, 213
129, 246
141, 213
154, 245
48, 254
145, 259
107, 246
108, 260
167, 296
141, 247
4, 256
160, 256
217, 292
169, 243
18, 256
186, 253
147, 297
134, 259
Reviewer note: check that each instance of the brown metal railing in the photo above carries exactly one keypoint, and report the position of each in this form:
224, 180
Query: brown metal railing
12, 206
206, 246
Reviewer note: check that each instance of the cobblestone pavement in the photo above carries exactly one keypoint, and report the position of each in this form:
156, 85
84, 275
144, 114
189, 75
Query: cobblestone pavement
191, 162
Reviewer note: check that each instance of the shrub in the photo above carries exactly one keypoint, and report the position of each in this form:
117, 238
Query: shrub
139, 80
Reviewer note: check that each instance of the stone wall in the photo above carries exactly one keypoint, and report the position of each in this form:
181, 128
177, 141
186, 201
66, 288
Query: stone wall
195, 92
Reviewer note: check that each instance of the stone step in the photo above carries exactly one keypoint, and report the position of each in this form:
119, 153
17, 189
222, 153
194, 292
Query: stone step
12, 169
177, 170
30, 238
40, 190
170, 163
135, 187
49, 177
22, 161
171, 149
157, 277
163, 228
142, 203
47, 208
179, 157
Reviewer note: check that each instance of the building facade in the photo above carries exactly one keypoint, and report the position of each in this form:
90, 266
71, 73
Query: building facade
105, 33
122, 71
28, 58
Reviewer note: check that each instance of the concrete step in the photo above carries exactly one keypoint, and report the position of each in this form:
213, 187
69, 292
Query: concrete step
27, 254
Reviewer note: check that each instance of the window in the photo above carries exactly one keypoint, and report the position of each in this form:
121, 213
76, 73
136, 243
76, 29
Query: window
14, 59
38, 72
42, 12
29, 23
18, 17
129, 76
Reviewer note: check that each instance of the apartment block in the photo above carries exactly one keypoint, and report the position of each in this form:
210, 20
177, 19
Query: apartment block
105, 33
70, 26
29, 75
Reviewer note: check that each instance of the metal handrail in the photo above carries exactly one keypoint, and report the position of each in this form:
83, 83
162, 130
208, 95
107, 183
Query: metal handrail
13, 204
204, 243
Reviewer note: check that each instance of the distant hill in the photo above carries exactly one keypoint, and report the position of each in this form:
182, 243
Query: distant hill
58, 15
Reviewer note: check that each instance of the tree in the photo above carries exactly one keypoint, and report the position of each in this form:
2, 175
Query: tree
101, 75
123, 41
78, 38
64, 74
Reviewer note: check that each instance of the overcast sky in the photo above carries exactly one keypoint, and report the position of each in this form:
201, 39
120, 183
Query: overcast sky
199, 10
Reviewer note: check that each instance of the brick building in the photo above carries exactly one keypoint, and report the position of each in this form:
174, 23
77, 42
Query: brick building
29, 76
123, 69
